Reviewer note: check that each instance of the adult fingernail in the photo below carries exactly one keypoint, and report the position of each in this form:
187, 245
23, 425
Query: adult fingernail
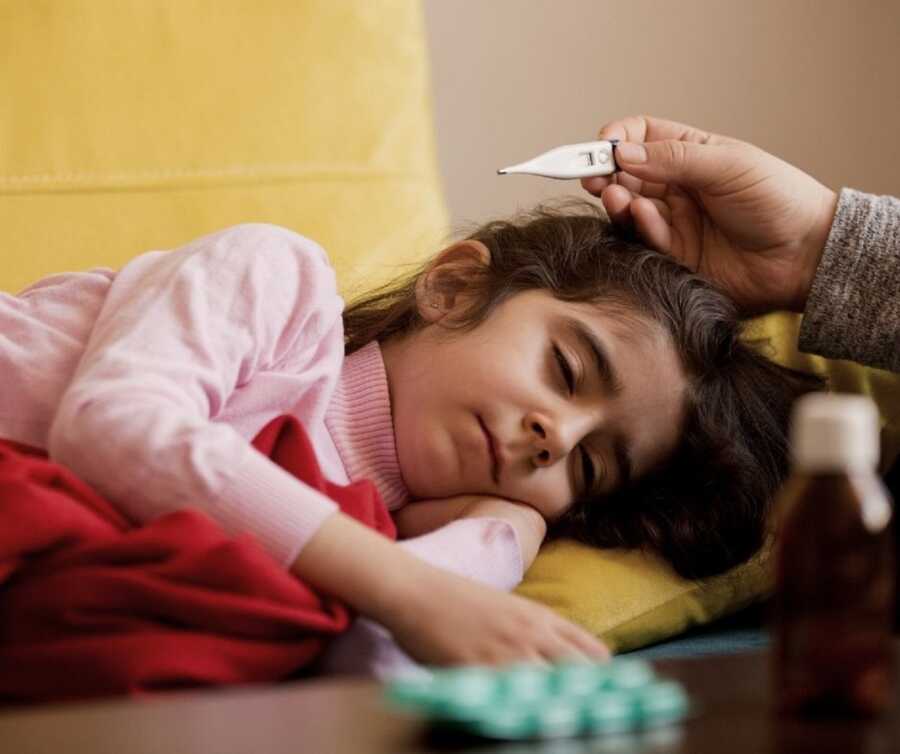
628, 152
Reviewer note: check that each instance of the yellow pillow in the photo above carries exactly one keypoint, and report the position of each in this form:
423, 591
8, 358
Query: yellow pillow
779, 333
631, 599
139, 126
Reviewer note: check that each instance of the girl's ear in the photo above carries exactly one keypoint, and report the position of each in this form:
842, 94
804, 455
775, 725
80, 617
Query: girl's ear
441, 289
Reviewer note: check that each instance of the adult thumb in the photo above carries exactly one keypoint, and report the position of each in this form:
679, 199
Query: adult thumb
673, 161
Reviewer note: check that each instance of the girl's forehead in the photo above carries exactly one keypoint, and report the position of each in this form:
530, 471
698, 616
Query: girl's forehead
630, 337
645, 361
615, 316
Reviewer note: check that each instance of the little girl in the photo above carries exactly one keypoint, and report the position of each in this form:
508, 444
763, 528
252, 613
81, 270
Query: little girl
543, 371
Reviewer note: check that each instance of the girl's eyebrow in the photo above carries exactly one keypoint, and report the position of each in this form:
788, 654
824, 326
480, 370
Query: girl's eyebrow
611, 381
588, 340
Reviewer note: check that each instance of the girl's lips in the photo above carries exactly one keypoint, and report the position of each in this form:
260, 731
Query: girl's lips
492, 451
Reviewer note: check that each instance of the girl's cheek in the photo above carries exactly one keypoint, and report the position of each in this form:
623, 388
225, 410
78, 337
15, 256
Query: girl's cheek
552, 498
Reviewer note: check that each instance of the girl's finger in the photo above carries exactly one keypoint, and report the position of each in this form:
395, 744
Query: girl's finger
650, 224
573, 653
586, 643
565, 648
556, 651
536, 657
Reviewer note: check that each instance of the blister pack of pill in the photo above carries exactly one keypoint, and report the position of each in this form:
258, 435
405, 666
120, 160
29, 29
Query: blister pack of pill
544, 701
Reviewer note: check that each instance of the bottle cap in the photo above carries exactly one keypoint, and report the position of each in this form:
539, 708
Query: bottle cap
834, 432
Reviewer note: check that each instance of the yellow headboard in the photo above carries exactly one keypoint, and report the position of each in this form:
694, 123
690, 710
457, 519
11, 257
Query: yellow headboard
135, 125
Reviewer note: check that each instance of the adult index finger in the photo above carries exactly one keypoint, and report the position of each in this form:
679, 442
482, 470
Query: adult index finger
644, 128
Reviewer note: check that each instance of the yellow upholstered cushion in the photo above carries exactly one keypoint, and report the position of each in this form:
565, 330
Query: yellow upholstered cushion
781, 330
134, 125
631, 599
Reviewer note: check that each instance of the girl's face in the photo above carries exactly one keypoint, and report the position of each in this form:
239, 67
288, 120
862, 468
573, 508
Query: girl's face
542, 402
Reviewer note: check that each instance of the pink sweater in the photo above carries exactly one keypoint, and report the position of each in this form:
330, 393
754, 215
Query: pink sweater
149, 383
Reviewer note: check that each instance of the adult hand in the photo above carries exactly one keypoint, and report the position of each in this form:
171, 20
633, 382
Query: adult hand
744, 219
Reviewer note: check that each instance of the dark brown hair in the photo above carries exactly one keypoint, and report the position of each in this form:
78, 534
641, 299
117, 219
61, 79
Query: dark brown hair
704, 509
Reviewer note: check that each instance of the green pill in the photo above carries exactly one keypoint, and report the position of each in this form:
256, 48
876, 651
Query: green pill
461, 709
629, 674
529, 701
611, 712
508, 722
663, 702
578, 678
462, 693
411, 691
559, 718
525, 683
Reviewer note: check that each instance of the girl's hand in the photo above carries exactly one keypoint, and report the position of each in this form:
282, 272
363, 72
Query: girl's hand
436, 616
744, 219
423, 516
445, 619
427, 515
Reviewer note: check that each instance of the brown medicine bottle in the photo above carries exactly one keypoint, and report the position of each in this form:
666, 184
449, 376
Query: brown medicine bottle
834, 591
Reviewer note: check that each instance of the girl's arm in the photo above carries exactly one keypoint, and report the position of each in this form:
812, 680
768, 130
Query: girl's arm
179, 333
436, 616
419, 518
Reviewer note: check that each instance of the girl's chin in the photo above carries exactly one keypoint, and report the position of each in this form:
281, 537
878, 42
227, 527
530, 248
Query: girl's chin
421, 484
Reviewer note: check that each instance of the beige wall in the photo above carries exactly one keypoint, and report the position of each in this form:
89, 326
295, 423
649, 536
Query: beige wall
814, 81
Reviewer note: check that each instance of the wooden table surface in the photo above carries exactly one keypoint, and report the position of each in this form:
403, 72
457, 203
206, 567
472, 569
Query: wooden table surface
348, 717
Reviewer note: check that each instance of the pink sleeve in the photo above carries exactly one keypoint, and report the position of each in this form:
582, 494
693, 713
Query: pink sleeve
178, 333
484, 549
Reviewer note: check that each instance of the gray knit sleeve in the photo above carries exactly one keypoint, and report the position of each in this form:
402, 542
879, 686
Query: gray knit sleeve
853, 309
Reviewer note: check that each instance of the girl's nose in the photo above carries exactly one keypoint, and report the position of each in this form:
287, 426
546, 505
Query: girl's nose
548, 443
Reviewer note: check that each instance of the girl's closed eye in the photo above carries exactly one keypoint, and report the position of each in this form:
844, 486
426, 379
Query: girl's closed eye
565, 369
588, 472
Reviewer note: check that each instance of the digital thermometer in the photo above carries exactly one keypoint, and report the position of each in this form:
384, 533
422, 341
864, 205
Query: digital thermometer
571, 161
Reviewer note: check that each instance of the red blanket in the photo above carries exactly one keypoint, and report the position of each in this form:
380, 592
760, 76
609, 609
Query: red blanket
92, 605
